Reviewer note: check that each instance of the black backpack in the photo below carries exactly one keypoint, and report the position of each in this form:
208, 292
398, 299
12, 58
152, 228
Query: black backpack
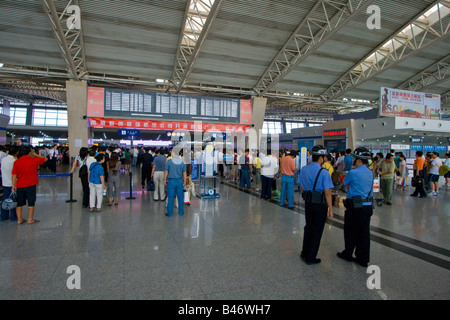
83, 170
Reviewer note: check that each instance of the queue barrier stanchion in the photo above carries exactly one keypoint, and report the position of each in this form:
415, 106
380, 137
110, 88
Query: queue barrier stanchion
71, 190
61, 175
131, 187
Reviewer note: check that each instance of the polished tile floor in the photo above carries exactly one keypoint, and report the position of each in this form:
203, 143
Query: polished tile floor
236, 247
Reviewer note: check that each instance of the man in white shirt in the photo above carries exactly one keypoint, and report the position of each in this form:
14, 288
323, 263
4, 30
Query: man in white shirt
53, 157
91, 159
7, 166
269, 168
436, 163
3, 153
220, 164
135, 156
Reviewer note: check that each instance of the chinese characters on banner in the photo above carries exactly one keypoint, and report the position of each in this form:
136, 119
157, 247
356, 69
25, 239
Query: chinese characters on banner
246, 112
335, 133
401, 103
166, 125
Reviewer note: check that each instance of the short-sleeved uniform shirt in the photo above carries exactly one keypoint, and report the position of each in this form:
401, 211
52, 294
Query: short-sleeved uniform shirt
308, 175
26, 170
360, 182
175, 167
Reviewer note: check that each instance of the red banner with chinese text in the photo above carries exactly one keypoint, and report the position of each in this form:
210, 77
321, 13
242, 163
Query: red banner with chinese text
165, 125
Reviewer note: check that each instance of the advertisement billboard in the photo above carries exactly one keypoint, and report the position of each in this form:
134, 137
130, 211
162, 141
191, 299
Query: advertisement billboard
402, 103
246, 112
96, 102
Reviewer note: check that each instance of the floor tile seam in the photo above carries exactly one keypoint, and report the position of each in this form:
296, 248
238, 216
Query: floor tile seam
251, 288
40, 296
189, 266
196, 284
407, 244
300, 209
406, 248
340, 225
411, 250
49, 279
404, 239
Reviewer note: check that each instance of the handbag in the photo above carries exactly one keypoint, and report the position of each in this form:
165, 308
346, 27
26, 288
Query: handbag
186, 196
443, 170
10, 202
416, 181
151, 185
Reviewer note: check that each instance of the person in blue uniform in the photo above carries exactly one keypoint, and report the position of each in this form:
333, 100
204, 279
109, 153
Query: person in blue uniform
358, 209
175, 180
316, 184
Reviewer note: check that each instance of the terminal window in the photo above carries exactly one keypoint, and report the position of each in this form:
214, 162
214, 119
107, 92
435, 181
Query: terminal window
48, 117
18, 116
272, 127
293, 125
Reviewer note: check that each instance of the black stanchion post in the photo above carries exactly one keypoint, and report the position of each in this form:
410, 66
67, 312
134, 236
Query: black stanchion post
131, 187
71, 190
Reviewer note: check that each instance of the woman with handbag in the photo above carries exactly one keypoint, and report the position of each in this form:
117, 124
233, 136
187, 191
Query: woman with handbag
402, 173
81, 162
418, 176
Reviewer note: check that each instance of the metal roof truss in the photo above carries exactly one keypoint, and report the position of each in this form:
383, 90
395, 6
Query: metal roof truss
69, 35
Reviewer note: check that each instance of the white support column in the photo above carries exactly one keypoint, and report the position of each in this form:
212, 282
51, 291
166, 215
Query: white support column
78, 130
258, 112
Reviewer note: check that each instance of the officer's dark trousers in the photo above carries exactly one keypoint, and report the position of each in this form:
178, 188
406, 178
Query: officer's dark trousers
315, 216
357, 233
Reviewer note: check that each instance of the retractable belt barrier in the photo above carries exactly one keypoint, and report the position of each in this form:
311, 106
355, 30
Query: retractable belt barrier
71, 184
52, 175
61, 175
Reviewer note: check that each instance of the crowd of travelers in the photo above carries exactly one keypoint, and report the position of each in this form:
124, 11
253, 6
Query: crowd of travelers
168, 175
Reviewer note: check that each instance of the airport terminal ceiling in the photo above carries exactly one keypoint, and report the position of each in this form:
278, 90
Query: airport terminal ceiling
309, 58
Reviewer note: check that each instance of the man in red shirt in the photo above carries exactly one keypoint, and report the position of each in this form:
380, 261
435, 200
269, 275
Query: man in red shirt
24, 181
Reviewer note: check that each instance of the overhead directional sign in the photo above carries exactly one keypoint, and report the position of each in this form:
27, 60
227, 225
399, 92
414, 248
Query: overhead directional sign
129, 133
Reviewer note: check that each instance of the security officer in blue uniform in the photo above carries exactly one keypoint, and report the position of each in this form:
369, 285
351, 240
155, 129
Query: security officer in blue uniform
358, 209
315, 183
